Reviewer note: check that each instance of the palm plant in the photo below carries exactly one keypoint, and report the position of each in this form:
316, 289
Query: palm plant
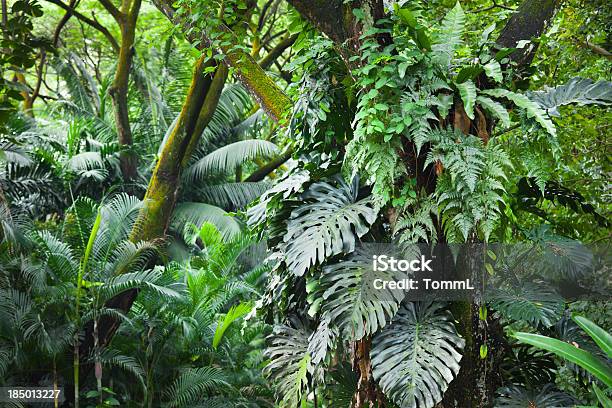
183, 342
49, 297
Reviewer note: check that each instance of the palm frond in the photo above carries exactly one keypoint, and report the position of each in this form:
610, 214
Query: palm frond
193, 385
199, 213
226, 159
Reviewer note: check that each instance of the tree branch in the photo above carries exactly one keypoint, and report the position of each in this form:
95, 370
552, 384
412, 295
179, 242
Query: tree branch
270, 96
495, 5
112, 9
277, 51
269, 167
90, 22
595, 48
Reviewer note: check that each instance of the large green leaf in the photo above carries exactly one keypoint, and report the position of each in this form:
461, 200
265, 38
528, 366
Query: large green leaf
349, 299
531, 303
580, 91
532, 109
327, 224
495, 108
227, 158
235, 313
417, 356
289, 363
467, 90
233, 195
599, 335
578, 356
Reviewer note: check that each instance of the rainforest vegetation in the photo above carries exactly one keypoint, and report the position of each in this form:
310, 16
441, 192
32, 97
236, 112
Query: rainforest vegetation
186, 188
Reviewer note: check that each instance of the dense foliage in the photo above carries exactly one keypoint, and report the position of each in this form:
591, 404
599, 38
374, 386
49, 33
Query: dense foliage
191, 194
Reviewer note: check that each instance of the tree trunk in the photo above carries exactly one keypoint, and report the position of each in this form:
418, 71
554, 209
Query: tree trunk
367, 394
119, 92
160, 198
530, 21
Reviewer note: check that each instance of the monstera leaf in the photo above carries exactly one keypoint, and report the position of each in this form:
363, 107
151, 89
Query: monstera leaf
417, 356
559, 257
580, 91
532, 303
328, 224
519, 397
350, 301
290, 363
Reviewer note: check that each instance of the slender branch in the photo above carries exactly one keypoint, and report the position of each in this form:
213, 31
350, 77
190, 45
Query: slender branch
269, 167
134, 10
277, 51
60, 25
495, 5
90, 22
39, 75
262, 15
595, 48
113, 10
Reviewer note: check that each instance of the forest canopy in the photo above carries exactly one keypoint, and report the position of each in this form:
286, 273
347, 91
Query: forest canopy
192, 193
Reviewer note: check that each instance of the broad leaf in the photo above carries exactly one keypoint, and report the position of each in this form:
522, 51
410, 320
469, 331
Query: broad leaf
531, 303
349, 299
494, 71
289, 363
495, 108
327, 224
417, 356
599, 335
467, 90
569, 352
518, 397
532, 109
580, 91
227, 158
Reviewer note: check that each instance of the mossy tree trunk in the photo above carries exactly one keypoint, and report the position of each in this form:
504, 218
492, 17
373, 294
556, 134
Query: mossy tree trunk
160, 198
126, 17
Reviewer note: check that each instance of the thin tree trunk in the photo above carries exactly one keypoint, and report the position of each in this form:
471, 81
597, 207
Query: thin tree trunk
55, 396
119, 91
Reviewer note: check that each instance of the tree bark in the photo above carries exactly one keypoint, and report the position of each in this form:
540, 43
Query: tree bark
335, 19
270, 96
529, 22
126, 19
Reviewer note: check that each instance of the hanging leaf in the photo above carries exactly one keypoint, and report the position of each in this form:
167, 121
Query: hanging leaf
289, 363
349, 299
467, 90
417, 356
532, 109
327, 224
580, 91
